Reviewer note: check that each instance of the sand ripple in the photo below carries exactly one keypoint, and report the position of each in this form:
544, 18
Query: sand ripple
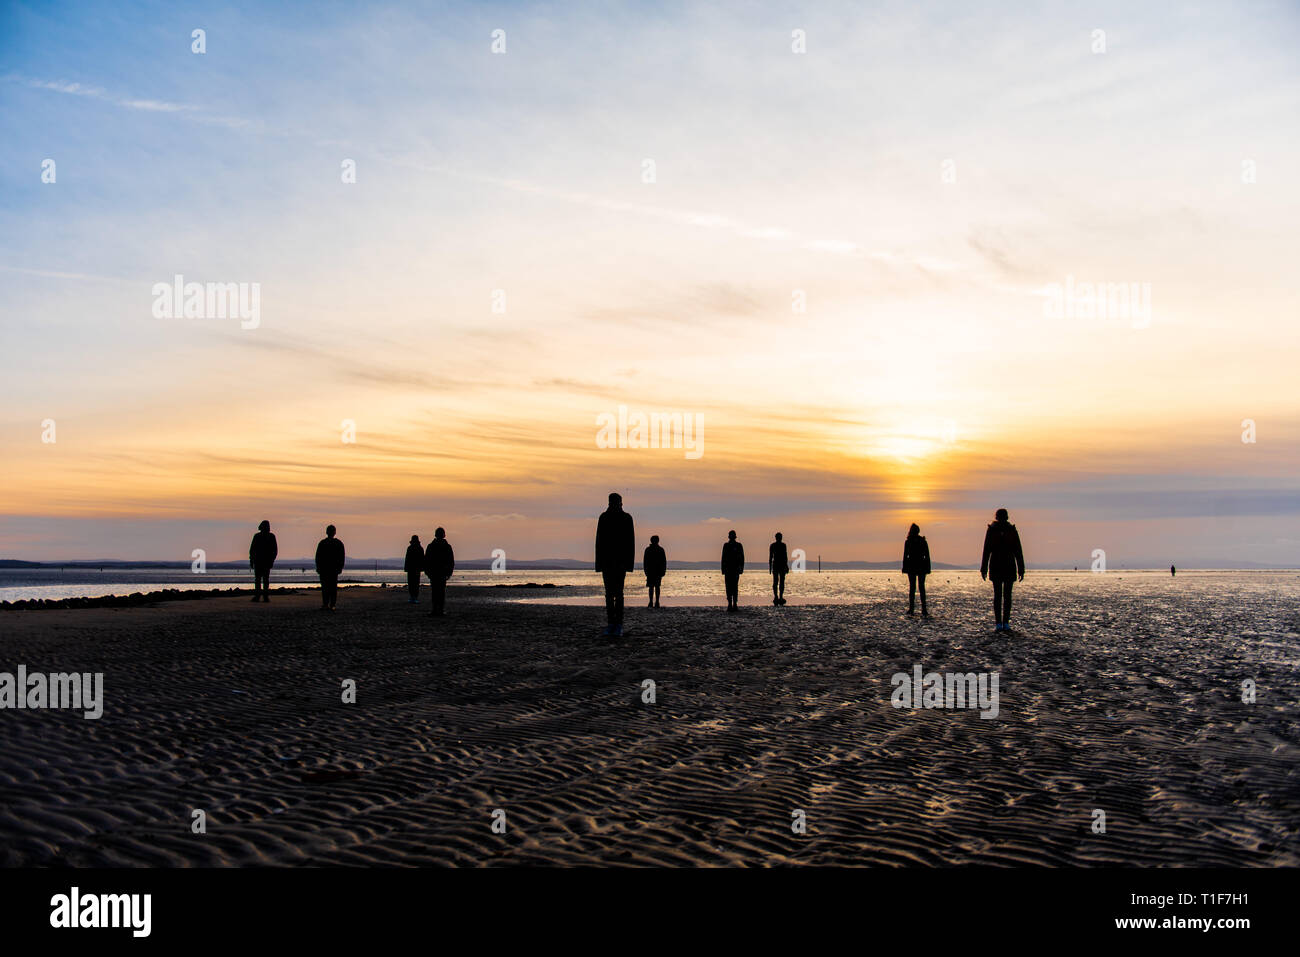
236, 710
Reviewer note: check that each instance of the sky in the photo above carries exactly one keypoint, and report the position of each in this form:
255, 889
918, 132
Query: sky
845, 267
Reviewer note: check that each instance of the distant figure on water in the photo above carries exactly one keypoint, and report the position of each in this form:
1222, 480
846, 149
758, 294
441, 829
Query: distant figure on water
414, 567
329, 565
778, 563
615, 557
733, 566
1172, 571
439, 563
261, 556
916, 565
1003, 562
655, 564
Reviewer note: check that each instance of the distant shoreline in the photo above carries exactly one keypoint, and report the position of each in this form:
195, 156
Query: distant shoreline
573, 565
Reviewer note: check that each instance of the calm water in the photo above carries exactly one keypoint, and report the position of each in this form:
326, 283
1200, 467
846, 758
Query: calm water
854, 587
679, 587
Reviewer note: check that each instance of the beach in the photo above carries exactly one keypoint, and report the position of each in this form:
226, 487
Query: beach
1113, 699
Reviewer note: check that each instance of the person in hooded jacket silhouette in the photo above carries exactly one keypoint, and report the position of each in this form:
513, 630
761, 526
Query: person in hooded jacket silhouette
1003, 563
414, 568
261, 556
655, 565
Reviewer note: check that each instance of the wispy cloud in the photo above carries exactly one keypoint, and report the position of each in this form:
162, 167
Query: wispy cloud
143, 104
99, 93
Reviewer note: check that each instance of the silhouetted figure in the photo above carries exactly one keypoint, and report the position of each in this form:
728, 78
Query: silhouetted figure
329, 565
655, 564
414, 567
1172, 571
261, 556
615, 557
916, 565
439, 563
733, 566
778, 563
1003, 562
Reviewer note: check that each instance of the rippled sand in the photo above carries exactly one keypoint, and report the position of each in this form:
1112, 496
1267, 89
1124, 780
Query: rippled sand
1110, 699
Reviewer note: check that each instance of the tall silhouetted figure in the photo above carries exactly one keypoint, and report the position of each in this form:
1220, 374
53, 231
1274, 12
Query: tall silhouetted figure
414, 567
1003, 562
916, 565
733, 566
1172, 571
439, 563
778, 563
329, 565
655, 564
615, 557
261, 556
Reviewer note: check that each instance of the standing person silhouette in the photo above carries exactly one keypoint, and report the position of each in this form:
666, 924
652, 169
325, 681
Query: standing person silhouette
1172, 571
733, 566
916, 565
1003, 562
439, 563
615, 557
414, 567
329, 565
778, 563
261, 556
655, 564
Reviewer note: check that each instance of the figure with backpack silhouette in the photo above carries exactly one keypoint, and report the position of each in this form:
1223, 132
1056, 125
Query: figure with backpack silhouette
916, 565
330, 559
414, 568
439, 563
261, 556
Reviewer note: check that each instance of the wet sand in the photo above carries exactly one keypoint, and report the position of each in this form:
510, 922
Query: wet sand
234, 708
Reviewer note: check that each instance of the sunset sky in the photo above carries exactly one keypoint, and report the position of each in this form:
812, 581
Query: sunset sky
921, 177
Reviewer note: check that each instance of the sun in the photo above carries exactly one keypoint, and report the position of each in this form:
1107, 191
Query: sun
903, 447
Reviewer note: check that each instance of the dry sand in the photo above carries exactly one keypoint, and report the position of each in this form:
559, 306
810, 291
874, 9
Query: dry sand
235, 708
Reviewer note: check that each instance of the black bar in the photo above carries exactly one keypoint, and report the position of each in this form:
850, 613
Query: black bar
659, 908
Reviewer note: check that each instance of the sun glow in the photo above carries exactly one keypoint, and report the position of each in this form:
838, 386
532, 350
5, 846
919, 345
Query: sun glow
904, 448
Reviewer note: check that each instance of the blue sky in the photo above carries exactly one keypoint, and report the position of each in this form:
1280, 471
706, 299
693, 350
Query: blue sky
776, 172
